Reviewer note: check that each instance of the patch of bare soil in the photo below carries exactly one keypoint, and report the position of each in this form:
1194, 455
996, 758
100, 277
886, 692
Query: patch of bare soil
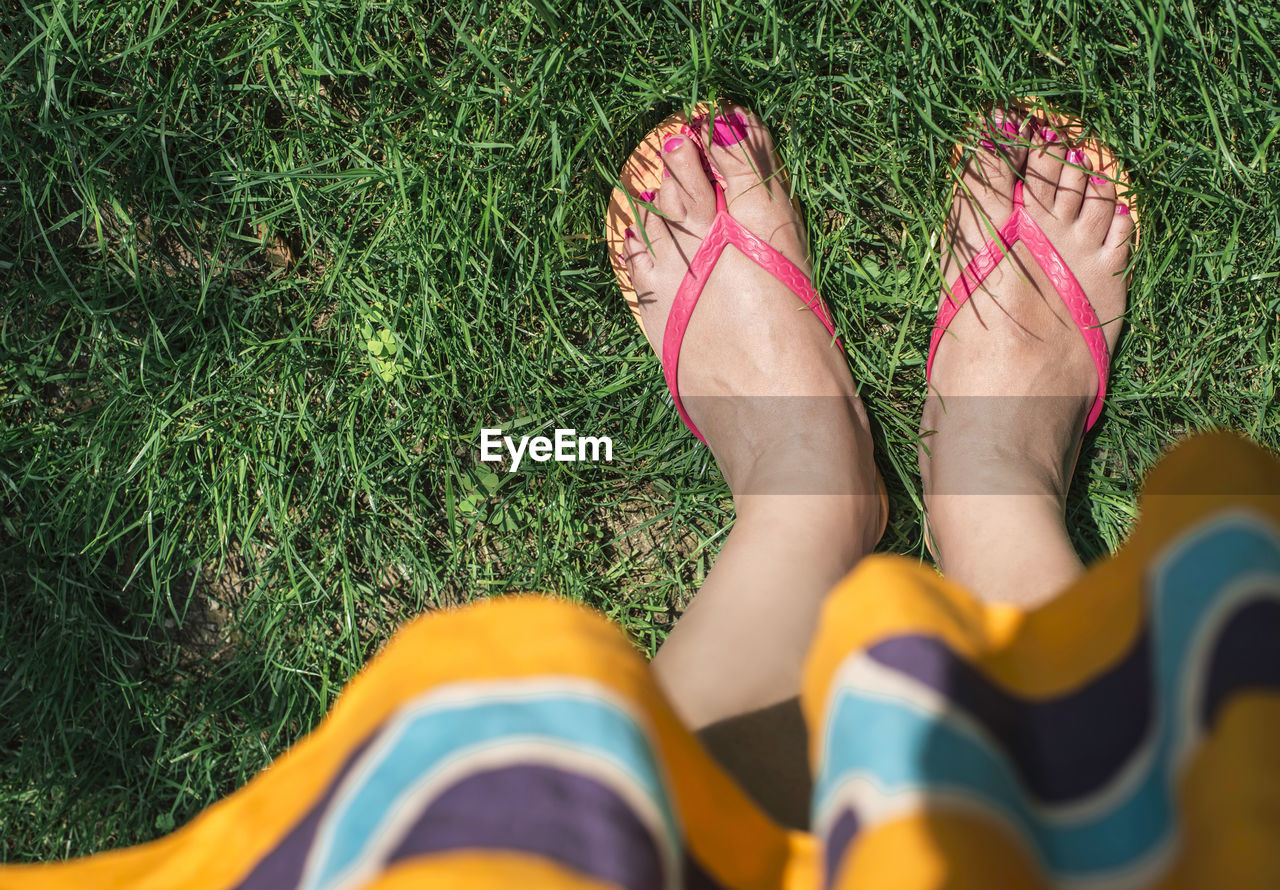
206, 633
640, 531
175, 253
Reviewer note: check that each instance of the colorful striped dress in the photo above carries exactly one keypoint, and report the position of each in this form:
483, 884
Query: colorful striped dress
1125, 735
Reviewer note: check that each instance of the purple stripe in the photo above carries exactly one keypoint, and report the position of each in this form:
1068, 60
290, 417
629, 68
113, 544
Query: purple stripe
1246, 655
282, 866
836, 844
569, 818
1062, 748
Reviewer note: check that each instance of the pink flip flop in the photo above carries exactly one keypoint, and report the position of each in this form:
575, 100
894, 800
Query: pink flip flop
640, 177
1021, 227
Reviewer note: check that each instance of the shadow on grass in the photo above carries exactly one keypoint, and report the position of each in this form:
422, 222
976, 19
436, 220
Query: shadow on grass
110, 686
1082, 528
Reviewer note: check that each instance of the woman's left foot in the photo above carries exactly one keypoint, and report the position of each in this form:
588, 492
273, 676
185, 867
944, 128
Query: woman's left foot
1012, 380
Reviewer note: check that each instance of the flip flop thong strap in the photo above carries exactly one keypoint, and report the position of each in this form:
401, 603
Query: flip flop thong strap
725, 231
1021, 227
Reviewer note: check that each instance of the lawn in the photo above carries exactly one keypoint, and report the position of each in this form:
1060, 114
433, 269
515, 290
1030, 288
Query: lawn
267, 269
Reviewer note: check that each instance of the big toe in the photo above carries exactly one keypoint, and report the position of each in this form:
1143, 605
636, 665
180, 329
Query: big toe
739, 149
984, 200
741, 154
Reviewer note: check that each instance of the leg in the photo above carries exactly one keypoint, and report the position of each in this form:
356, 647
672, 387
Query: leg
732, 665
1013, 380
773, 395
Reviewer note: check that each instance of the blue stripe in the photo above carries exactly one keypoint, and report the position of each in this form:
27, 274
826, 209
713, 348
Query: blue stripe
439, 733
928, 753
905, 750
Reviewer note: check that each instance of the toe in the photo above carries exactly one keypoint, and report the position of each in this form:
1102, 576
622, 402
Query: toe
1002, 154
1072, 182
739, 148
1098, 209
984, 197
685, 198
638, 250
1044, 166
1120, 233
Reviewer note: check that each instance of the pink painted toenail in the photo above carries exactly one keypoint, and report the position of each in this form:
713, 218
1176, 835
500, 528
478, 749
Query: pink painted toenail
729, 130
1122, 210
630, 232
998, 131
648, 197
1076, 157
1098, 181
673, 143
1050, 135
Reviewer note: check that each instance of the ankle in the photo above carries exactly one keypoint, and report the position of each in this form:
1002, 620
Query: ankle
1005, 547
1001, 445
829, 533
991, 470
795, 445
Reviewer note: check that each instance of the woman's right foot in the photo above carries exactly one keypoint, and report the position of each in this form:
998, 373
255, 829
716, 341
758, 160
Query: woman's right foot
758, 373
1013, 381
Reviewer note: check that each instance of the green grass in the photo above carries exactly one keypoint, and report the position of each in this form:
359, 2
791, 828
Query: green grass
215, 504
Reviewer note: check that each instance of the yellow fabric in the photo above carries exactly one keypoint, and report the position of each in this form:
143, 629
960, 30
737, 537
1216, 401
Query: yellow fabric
1231, 802
954, 850
521, 636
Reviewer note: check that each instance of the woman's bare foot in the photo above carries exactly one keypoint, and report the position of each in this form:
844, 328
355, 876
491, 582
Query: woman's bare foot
772, 394
1013, 381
